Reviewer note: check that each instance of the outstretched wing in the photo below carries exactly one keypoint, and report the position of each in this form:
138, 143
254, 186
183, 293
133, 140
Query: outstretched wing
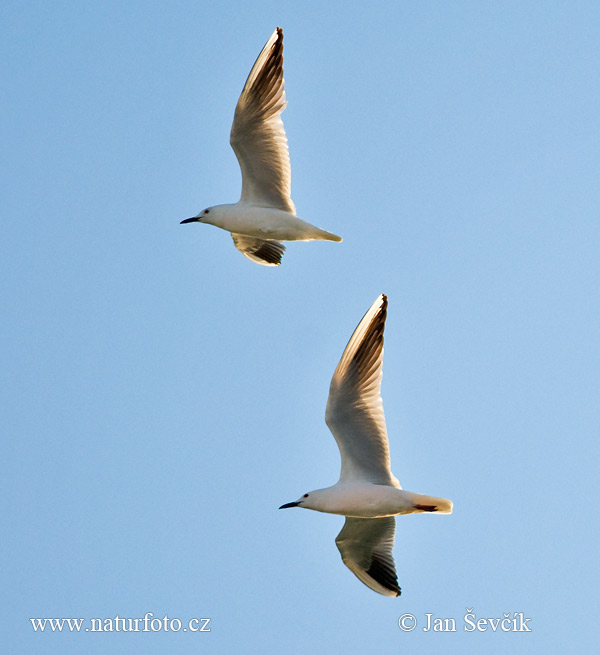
257, 135
261, 251
366, 549
355, 410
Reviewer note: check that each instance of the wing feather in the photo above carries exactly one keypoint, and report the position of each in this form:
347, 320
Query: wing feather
257, 134
355, 410
261, 251
366, 549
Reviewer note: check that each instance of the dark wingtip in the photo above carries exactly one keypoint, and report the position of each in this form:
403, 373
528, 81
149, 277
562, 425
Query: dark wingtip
384, 574
383, 312
271, 252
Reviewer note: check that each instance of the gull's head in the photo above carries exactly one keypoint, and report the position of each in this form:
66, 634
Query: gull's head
310, 500
203, 217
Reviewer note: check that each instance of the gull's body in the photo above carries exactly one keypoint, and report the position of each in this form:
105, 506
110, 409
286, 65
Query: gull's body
367, 493
265, 214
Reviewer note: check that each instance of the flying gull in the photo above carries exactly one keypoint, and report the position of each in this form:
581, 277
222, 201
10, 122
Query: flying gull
367, 493
265, 214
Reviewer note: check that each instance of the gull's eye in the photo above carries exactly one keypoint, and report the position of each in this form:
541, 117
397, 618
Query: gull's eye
205, 211
305, 496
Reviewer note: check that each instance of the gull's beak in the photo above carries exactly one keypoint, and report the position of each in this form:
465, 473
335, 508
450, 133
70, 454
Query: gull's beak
189, 220
289, 505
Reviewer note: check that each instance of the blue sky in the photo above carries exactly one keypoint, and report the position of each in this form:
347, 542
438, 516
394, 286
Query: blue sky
163, 395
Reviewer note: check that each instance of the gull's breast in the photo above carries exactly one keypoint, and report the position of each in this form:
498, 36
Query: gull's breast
367, 501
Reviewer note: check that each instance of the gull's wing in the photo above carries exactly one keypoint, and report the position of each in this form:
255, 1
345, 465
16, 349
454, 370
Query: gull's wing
366, 549
257, 135
355, 409
261, 251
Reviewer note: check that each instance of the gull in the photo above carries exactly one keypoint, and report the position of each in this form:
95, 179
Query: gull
367, 493
265, 214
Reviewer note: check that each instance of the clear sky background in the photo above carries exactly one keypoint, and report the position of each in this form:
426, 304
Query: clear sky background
163, 395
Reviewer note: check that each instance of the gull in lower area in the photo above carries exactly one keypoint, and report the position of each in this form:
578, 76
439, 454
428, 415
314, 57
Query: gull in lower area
265, 214
367, 493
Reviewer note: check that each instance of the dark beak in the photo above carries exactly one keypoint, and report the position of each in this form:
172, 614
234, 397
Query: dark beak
289, 505
188, 220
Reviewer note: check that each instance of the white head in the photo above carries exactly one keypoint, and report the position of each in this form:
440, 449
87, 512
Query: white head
217, 215
311, 500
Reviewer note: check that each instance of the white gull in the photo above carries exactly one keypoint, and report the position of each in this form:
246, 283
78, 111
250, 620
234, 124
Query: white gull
265, 214
367, 493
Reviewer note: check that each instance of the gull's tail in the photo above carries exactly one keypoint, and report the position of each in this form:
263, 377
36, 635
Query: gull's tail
326, 236
309, 232
423, 503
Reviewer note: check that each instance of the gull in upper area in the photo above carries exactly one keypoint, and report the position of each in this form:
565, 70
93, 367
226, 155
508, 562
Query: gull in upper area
265, 214
367, 493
